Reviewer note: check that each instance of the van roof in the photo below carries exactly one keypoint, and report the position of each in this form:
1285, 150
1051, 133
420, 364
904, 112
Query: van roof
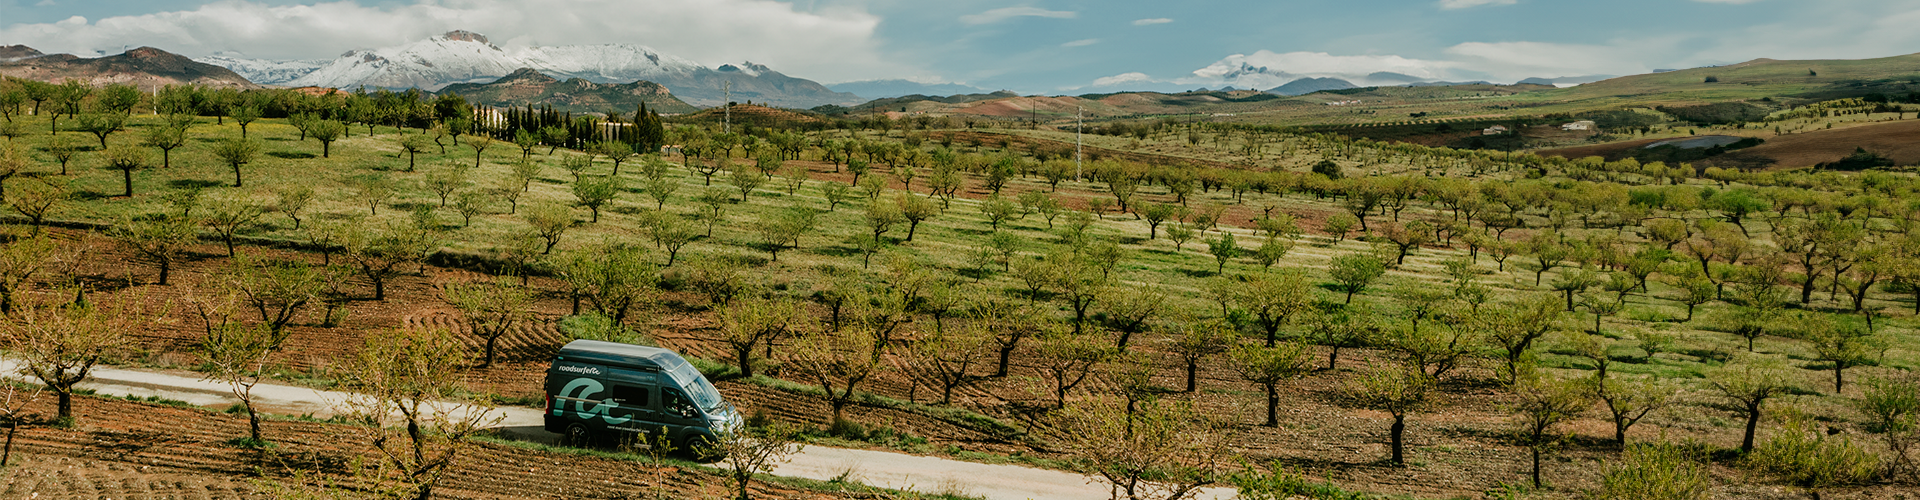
615, 353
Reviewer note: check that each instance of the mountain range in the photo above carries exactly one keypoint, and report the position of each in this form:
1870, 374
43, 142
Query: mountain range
467, 57
528, 86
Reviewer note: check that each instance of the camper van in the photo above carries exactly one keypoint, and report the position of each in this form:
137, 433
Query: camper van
605, 389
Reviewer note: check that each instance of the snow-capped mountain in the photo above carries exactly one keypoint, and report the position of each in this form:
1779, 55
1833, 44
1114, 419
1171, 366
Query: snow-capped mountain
263, 71
467, 57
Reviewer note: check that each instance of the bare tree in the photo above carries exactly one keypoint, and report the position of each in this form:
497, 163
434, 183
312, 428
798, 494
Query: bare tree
752, 451
159, 239
60, 346
1067, 358
234, 353
1164, 450
945, 359
403, 380
837, 361
746, 324
20, 259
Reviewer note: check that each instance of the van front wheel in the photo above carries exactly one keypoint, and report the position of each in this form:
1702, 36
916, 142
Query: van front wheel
699, 447
578, 435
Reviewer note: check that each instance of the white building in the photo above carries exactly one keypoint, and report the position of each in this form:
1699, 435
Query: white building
1579, 125
1494, 130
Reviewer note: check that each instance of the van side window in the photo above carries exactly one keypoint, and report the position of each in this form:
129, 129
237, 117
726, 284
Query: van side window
677, 404
629, 396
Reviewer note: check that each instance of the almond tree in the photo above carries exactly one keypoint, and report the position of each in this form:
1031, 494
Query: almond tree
159, 239
750, 451
412, 145
402, 379
327, 131
1194, 342
60, 345
277, 290
236, 152
751, 322
945, 359
167, 137
1273, 299
1543, 404
1396, 389
1163, 450
837, 361
1066, 359
228, 214
491, 309
20, 260
1268, 367
234, 353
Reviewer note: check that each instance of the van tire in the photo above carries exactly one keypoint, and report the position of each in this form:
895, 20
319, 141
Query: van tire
577, 435
696, 447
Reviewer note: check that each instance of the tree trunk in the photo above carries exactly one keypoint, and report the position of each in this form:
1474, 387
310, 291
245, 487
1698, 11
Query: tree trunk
66, 404
1399, 429
253, 423
165, 269
236, 175
744, 356
1191, 367
379, 289
1005, 353
127, 177
1273, 405
1837, 380
1753, 420
1536, 465
490, 341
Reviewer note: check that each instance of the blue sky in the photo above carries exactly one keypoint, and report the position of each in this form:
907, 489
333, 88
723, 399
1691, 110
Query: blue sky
1039, 46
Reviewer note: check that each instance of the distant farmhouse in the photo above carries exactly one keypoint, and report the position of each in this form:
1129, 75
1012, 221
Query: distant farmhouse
1494, 130
1579, 125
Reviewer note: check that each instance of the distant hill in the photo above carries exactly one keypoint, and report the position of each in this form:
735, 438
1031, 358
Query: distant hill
1306, 86
1810, 79
147, 68
263, 71
1564, 81
881, 89
17, 52
529, 87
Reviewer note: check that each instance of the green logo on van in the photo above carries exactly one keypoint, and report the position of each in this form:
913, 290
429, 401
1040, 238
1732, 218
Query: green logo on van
578, 390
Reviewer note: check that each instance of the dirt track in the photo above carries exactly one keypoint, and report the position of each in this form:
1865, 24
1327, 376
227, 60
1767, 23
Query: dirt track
875, 468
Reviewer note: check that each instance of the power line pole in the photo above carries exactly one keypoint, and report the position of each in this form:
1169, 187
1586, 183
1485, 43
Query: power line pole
1079, 124
726, 120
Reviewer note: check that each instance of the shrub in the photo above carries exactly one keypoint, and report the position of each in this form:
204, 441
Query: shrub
1656, 471
1803, 456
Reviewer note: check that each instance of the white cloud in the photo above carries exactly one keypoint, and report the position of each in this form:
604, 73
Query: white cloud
1150, 22
1467, 4
1005, 13
828, 43
1081, 43
1134, 77
44, 3
1734, 2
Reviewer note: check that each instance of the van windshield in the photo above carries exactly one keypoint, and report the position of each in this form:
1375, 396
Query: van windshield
699, 389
